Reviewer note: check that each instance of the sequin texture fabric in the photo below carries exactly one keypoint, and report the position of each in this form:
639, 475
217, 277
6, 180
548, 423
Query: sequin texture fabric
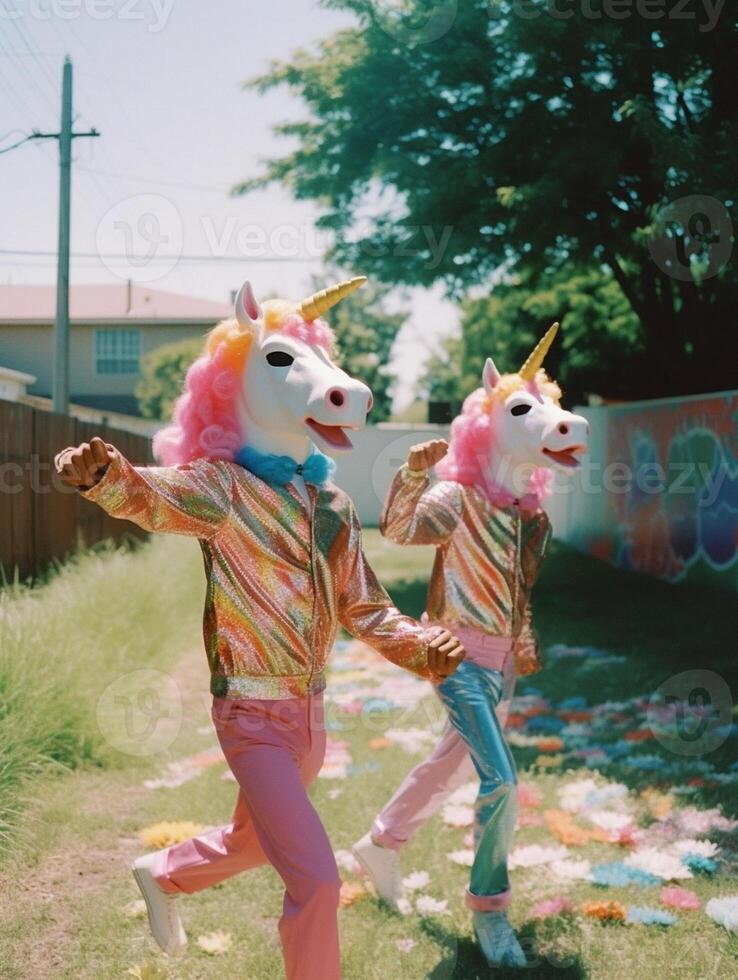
487, 557
281, 576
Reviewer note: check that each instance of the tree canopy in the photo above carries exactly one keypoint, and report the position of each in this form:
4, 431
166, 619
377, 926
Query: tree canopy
532, 143
162, 376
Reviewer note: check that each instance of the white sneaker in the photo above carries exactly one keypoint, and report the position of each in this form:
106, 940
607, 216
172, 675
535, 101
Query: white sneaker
497, 940
383, 867
164, 920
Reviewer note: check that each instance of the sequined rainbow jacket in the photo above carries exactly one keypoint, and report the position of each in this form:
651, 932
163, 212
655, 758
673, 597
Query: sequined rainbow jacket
487, 556
281, 577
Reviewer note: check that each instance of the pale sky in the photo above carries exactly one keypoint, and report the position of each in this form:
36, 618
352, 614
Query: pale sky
161, 80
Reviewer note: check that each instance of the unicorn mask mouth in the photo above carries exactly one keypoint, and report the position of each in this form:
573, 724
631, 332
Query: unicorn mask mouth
332, 435
568, 458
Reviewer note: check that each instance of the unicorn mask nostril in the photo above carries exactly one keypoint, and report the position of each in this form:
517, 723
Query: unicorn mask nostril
336, 398
563, 428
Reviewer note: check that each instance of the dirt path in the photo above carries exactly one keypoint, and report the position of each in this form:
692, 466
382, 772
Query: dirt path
59, 868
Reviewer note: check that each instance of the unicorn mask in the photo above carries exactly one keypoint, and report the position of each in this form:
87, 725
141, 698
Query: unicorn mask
267, 381
512, 432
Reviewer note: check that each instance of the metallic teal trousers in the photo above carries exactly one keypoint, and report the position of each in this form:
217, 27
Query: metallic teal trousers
470, 696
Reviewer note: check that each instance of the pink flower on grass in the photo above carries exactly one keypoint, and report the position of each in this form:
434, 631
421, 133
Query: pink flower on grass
560, 905
675, 897
528, 796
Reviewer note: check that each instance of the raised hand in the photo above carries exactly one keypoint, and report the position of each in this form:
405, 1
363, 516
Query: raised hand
445, 653
83, 466
427, 454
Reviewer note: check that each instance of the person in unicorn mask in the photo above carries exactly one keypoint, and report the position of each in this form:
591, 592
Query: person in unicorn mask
485, 518
285, 567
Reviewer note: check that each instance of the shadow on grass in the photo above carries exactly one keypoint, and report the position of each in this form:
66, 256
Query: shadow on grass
465, 961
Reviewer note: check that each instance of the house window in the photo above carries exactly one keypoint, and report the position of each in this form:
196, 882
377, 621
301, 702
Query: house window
117, 351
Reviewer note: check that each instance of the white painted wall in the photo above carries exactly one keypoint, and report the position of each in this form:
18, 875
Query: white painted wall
578, 507
379, 451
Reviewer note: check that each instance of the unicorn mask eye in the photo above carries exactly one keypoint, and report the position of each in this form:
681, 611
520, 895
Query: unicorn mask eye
279, 358
522, 409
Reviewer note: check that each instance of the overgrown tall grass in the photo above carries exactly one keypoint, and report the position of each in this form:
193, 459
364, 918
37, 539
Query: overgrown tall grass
103, 613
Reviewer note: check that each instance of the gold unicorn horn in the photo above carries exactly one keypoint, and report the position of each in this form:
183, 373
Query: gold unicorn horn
529, 370
319, 303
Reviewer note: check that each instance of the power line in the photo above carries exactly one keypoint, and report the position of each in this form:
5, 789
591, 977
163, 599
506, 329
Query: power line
31, 78
154, 180
26, 139
109, 256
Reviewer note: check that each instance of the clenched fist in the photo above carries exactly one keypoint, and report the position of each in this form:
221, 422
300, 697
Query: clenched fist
445, 653
83, 466
426, 454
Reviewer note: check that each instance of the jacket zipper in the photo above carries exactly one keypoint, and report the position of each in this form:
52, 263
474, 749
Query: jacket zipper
313, 494
516, 568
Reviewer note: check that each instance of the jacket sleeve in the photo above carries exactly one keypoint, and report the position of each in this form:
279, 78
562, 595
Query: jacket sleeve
416, 512
527, 649
368, 613
192, 499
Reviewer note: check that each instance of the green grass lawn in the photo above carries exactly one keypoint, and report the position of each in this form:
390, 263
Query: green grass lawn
100, 616
68, 917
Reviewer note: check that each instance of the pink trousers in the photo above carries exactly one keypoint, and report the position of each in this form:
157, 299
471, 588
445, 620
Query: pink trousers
275, 750
427, 787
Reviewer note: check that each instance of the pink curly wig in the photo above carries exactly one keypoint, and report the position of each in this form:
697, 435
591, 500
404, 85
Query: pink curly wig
472, 444
204, 422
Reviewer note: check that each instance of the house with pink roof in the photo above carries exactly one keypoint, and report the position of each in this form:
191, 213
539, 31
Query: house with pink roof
112, 328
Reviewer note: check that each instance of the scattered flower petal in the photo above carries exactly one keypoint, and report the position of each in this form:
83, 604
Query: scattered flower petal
619, 874
135, 909
215, 943
147, 971
416, 880
465, 795
724, 911
351, 892
679, 898
560, 905
535, 854
570, 870
426, 905
658, 863
347, 861
528, 796
605, 911
169, 832
649, 917
465, 858
458, 816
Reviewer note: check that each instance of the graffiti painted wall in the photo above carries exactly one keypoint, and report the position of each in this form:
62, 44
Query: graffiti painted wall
661, 492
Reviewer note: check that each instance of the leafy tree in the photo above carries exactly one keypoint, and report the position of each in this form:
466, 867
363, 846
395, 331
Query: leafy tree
365, 332
441, 379
599, 349
524, 141
162, 375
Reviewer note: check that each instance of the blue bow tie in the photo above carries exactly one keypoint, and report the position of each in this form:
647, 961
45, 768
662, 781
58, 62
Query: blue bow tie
280, 470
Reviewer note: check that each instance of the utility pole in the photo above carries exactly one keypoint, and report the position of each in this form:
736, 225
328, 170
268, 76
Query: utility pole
61, 323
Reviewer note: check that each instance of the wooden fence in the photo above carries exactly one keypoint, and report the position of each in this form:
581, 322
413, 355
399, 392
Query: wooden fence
41, 520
